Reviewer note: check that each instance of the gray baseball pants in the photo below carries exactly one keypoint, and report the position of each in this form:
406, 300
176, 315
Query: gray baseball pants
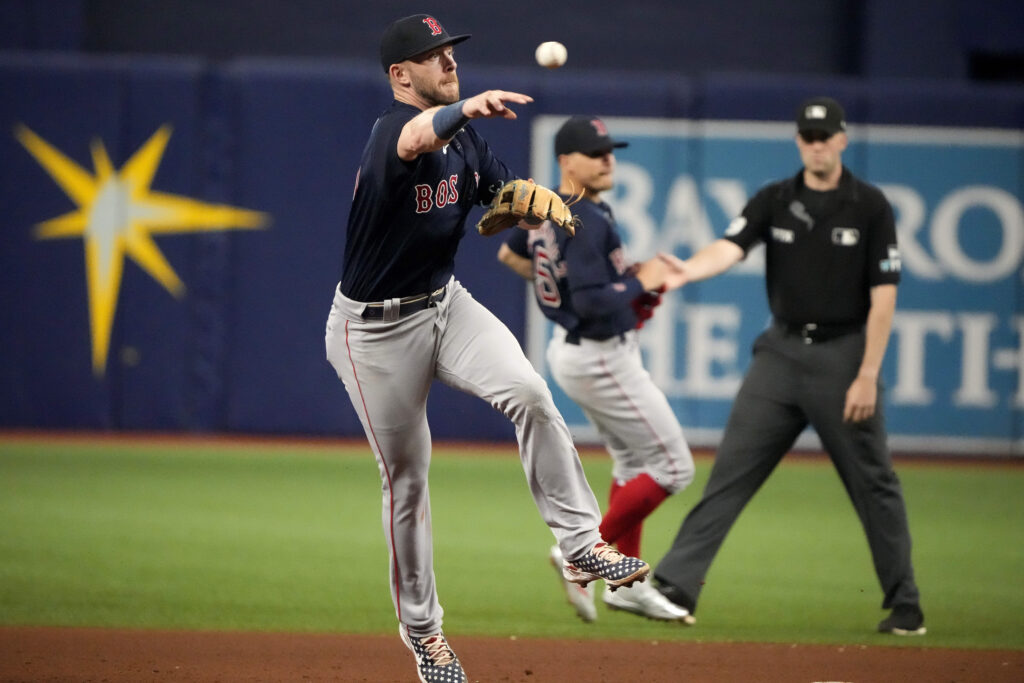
387, 369
608, 381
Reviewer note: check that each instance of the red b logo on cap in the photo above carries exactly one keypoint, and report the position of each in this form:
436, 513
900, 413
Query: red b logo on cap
435, 28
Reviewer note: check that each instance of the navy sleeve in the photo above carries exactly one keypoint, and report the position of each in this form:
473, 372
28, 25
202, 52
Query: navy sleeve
517, 241
492, 173
597, 301
598, 290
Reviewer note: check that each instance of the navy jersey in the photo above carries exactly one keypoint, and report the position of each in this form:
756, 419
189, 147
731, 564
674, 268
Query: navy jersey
407, 217
582, 283
825, 250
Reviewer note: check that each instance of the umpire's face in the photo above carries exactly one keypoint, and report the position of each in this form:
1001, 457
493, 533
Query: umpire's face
821, 152
433, 75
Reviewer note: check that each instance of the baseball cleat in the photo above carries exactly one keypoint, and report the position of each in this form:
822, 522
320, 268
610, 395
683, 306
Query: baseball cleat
643, 599
905, 620
435, 661
676, 596
580, 597
605, 562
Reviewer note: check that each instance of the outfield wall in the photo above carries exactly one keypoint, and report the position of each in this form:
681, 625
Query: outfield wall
213, 329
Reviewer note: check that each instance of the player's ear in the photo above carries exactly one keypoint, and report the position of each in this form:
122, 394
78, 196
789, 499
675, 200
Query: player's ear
398, 74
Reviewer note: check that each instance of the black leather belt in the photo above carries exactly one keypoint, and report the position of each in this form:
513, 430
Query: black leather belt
814, 332
406, 305
574, 337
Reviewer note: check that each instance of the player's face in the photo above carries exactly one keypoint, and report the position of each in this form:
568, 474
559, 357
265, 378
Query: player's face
433, 75
820, 154
593, 173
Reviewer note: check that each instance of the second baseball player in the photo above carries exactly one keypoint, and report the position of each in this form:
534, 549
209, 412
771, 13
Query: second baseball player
597, 300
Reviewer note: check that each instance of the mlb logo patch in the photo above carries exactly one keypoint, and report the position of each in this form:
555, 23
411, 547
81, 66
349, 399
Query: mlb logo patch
815, 111
845, 237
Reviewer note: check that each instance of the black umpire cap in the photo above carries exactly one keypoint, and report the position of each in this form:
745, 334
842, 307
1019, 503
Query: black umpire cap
821, 113
410, 36
585, 134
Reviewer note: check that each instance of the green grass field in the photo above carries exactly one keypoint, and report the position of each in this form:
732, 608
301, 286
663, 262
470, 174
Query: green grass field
287, 537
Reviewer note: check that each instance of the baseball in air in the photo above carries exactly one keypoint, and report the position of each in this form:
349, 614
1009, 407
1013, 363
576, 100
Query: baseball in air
551, 54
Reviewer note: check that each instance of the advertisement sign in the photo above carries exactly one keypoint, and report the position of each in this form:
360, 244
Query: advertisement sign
953, 369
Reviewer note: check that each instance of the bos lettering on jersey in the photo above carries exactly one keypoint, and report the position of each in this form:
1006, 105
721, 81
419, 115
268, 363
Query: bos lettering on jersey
444, 194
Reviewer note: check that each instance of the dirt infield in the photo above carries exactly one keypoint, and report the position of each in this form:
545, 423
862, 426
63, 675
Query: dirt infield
116, 656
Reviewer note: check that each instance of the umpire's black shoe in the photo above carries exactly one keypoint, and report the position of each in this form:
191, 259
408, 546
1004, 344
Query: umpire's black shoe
905, 620
676, 595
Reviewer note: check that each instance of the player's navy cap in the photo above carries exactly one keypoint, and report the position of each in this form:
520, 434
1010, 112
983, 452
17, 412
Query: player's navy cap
410, 36
585, 134
821, 113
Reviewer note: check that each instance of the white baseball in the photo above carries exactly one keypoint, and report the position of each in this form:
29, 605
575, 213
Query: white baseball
551, 54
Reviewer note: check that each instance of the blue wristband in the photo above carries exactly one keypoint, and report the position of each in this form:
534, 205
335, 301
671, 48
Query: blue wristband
449, 120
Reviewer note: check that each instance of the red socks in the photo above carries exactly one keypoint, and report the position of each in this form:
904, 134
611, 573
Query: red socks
628, 506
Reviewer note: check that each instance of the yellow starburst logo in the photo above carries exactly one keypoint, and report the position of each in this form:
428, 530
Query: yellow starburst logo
117, 216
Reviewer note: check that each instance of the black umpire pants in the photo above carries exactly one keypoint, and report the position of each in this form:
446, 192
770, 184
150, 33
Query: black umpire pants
789, 384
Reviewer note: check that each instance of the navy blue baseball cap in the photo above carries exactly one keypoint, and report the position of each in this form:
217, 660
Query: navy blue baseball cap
410, 36
585, 134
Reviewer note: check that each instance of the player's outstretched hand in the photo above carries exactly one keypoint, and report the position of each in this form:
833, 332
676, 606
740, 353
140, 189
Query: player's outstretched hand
651, 274
675, 270
491, 104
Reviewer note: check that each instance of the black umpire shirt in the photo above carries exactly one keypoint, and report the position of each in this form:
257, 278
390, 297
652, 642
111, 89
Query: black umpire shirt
825, 250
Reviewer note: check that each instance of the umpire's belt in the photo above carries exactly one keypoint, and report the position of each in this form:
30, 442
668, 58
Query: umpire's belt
815, 332
393, 309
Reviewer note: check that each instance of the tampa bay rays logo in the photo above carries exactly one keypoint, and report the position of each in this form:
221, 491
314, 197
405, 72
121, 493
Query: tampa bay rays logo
435, 28
118, 215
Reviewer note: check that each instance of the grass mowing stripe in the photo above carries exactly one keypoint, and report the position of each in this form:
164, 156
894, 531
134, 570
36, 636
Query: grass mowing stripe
289, 538
194, 539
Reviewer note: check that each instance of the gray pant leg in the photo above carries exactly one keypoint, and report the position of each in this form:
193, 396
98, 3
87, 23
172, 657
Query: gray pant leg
763, 424
640, 430
387, 369
861, 456
477, 354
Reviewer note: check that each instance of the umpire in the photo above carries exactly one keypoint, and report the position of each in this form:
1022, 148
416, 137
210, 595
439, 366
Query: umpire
832, 267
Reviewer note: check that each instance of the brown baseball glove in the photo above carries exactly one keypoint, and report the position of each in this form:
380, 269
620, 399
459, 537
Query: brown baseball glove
524, 200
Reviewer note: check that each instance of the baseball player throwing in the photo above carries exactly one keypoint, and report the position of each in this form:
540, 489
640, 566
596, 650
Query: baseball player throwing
596, 299
399, 320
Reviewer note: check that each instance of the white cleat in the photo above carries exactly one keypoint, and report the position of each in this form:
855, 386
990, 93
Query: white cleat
645, 600
580, 597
